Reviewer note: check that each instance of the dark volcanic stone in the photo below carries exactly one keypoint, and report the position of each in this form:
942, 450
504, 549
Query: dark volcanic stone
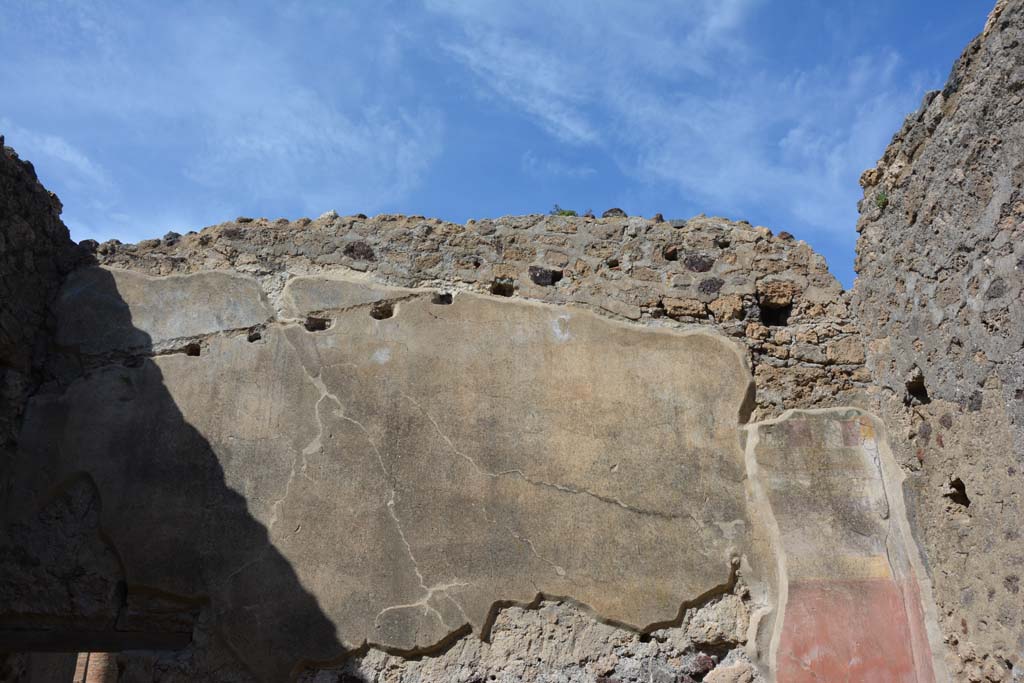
545, 277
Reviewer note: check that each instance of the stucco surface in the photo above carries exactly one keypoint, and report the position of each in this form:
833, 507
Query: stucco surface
415, 471
853, 599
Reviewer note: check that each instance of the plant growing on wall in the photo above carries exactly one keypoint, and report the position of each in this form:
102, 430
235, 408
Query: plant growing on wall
881, 200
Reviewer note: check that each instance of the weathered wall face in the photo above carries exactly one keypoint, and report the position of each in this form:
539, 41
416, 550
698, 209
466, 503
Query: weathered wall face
939, 297
846, 563
35, 252
400, 449
288, 467
414, 470
772, 293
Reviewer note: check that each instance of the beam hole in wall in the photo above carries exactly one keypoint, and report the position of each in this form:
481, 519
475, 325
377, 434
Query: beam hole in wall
958, 492
776, 316
441, 298
503, 286
315, 324
193, 349
917, 392
382, 310
545, 277
255, 334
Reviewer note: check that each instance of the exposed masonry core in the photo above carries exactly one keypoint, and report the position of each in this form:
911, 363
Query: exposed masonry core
938, 298
773, 294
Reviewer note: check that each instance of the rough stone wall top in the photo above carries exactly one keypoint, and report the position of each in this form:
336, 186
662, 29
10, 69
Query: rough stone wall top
940, 264
771, 292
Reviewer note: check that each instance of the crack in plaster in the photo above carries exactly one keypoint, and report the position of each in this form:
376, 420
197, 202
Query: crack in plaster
445, 589
564, 488
424, 602
522, 539
315, 445
357, 307
318, 382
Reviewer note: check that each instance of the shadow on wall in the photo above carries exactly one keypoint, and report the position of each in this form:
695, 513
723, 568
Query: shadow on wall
105, 445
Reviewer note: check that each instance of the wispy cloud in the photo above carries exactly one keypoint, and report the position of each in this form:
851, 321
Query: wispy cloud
794, 144
681, 96
560, 61
172, 115
79, 167
533, 79
231, 110
547, 167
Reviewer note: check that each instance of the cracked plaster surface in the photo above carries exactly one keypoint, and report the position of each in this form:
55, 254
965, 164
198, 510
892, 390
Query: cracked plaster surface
853, 598
415, 472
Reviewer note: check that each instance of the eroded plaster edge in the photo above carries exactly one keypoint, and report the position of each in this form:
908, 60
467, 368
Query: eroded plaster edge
892, 477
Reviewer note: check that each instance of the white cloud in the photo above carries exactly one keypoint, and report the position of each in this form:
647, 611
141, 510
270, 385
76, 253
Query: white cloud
311, 106
235, 109
675, 95
558, 62
532, 78
795, 144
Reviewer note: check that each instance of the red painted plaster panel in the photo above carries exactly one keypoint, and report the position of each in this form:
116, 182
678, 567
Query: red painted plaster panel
856, 631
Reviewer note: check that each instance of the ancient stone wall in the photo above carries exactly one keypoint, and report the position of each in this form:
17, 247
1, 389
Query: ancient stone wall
771, 292
35, 252
531, 448
411, 459
940, 264
336, 470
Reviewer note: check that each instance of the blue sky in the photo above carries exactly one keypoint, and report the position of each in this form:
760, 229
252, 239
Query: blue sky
149, 117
